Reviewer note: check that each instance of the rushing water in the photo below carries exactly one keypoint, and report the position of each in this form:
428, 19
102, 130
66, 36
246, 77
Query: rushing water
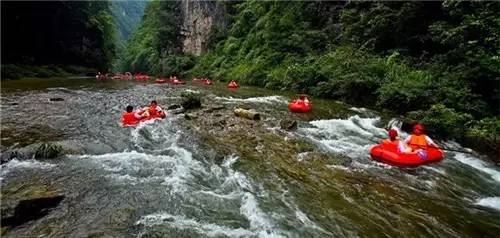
158, 180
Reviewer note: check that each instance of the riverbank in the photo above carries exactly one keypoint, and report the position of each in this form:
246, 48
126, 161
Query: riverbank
13, 71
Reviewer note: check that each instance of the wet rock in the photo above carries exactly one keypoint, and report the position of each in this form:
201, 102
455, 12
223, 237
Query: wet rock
48, 151
288, 125
214, 108
9, 155
178, 110
175, 106
27, 200
190, 116
31, 209
190, 101
56, 99
249, 114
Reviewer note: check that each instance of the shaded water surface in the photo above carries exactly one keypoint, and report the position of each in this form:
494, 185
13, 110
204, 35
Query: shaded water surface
160, 179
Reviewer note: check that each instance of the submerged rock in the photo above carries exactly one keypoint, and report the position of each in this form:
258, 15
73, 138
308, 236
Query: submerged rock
190, 116
31, 209
288, 125
27, 200
9, 155
191, 101
174, 106
56, 99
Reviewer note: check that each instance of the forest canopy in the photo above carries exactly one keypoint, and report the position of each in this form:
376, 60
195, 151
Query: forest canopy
79, 33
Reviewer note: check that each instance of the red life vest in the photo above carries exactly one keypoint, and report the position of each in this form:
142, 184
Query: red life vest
153, 113
128, 118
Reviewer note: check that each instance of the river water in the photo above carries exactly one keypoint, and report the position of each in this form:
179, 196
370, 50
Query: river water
160, 180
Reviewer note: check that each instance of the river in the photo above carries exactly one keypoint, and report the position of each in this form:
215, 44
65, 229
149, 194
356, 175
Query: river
164, 179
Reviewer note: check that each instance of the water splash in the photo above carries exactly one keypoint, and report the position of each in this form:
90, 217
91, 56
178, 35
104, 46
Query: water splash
491, 202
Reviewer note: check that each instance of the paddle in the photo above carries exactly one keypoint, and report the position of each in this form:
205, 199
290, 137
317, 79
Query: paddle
443, 148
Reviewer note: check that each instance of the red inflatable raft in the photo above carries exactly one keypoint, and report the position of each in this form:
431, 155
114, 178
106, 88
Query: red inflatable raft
392, 157
161, 80
301, 106
177, 81
232, 84
145, 119
141, 77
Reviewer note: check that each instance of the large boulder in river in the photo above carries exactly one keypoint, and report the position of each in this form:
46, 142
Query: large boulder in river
48, 151
27, 200
190, 101
44, 151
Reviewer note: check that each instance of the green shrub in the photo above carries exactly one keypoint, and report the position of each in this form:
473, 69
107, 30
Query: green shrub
442, 121
177, 64
486, 129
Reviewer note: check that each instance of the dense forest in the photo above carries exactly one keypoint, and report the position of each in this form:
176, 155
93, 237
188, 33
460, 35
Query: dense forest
127, 15
54, 38
156, 40
434, 62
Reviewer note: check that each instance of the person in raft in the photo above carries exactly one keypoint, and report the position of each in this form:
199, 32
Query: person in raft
394, 144
303, 98
129, 117
153, 111
418, 142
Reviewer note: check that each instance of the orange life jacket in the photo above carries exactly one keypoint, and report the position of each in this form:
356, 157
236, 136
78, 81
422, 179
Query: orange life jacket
417, 142
391, 145
128, 118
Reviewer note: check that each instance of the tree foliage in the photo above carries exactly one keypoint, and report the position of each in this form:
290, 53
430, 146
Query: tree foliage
436, 57
58, 32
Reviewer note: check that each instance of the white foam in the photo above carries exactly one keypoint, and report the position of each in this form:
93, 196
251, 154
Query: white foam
16, 164
492, 202
352, 136
258, 220
191, 91
267, 99
478, 164
130, 166
234, 186
181, 222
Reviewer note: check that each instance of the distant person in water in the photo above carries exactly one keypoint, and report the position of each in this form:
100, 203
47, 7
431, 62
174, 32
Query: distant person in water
394, 144
153, 111
418, 140
129, 117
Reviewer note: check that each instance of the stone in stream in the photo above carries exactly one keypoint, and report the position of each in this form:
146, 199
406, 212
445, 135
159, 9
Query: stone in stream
190, 116
249, 114
9, 155
288, 125
48, 151
174, 106
27, 200
190, 101
31, 209
56, 99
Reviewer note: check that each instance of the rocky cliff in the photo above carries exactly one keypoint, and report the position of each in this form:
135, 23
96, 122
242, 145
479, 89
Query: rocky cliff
200, 20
